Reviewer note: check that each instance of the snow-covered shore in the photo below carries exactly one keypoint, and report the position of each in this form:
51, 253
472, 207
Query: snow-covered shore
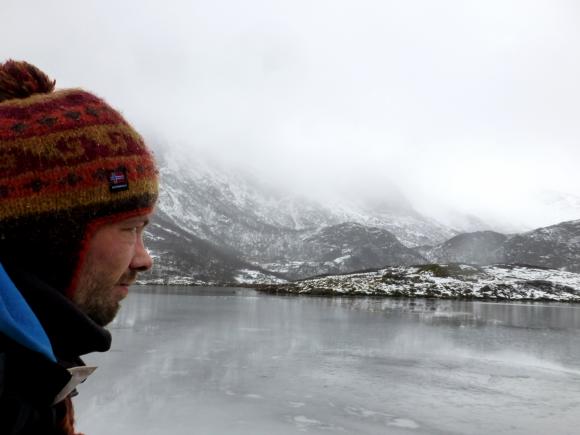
497, 282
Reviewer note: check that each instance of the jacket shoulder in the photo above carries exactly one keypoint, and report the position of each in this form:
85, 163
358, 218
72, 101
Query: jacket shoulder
28, 384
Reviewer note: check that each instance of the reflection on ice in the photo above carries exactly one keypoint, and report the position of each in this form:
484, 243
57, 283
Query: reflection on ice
232, 361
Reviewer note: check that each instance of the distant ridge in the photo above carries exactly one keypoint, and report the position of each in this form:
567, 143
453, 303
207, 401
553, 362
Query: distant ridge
556, 246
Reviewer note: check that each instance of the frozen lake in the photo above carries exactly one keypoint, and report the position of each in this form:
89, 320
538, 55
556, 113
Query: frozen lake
232, 361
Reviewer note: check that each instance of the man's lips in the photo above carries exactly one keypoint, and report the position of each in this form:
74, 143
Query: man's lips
127, 280
122, 290
124, 283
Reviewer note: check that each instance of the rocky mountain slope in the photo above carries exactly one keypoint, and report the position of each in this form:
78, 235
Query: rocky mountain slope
344, 248
183, 258
219, 222
556, 246
480, 247
216, 226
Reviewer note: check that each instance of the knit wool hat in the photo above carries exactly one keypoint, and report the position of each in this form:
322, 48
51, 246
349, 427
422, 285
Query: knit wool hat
68, 164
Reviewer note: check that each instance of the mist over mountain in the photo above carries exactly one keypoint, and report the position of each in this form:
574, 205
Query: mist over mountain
217, 224
222, 203
223, 221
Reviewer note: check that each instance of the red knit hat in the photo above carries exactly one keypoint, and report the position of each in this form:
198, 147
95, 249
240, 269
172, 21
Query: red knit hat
68, 163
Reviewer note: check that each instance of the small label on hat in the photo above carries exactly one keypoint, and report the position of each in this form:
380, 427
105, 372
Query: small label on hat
118, 180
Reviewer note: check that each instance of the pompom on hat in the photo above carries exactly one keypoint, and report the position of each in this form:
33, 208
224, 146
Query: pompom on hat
68, 164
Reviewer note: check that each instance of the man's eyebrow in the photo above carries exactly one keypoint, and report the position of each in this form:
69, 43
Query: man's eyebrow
137, 220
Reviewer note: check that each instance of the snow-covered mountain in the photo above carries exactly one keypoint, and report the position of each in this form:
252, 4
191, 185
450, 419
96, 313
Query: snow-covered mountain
183, 258
220, 225
556, 246
344, 248
212, 223
228, 207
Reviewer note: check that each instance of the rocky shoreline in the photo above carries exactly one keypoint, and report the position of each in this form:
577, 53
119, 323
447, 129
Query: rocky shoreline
444, 281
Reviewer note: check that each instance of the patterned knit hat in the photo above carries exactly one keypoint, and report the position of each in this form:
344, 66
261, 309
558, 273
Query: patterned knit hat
68, 163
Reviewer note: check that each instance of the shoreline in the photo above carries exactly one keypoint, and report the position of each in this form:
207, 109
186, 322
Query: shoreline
498, 282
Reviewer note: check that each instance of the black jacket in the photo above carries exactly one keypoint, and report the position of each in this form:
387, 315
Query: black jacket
29, 382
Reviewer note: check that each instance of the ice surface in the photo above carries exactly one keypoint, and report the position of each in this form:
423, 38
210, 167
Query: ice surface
229, 361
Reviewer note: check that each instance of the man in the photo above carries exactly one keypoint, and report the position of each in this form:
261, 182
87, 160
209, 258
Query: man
77, 187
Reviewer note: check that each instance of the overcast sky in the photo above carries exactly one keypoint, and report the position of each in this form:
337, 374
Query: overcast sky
470, 105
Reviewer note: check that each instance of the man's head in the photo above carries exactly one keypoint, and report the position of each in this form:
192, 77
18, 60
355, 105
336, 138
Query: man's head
73, 174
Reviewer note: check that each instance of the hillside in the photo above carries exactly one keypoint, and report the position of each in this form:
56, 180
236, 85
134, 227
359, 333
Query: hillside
451, 281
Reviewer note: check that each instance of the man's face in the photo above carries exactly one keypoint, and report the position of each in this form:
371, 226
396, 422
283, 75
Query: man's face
114, 257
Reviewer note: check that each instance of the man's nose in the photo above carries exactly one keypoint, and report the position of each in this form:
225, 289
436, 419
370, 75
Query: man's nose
142, 261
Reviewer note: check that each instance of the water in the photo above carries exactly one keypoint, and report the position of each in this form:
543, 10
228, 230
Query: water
232, 361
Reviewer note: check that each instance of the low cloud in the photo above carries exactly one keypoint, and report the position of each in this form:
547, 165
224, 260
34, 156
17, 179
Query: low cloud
462, 106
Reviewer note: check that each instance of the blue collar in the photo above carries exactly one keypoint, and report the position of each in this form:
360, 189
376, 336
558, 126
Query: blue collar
17, 320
